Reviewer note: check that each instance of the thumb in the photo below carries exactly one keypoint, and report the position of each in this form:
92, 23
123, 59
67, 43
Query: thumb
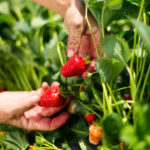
74, 41
29, 101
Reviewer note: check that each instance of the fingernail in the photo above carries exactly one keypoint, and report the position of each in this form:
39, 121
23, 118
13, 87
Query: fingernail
70, 53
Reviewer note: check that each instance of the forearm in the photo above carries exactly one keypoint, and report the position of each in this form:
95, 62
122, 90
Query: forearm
58, 6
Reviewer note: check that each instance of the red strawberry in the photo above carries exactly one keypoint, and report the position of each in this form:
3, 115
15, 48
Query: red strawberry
121, 144
75, 66
52, 97
32, 148
82, 88
127, 96
90, 118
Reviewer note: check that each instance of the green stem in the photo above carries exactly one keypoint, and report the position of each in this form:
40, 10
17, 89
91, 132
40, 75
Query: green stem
59, 53
144, 85
135, 34
141, 75
89, 109
123, 102
111, 93
102, 20
92, 34
107, 98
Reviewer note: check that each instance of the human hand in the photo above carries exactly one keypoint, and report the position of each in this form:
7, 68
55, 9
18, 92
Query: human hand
21, 110
80, 40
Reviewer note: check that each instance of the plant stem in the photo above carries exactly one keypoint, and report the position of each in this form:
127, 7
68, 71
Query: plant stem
112, 95
89, 109
92, 34
135, 34
59, 53
107, 98
144, 85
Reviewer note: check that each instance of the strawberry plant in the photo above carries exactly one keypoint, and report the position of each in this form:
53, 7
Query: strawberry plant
110, 108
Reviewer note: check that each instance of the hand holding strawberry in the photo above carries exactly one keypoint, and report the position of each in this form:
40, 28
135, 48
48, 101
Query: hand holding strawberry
52, 97
24, 111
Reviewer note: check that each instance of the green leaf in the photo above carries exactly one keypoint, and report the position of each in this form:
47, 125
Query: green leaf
128, 135
117, 54
112, 124
84, 146
108, 68
102, 148
17, 140
23, 26
38, 22
5, 19
4, 8
144, 32
115, 4
5, 127
116, 48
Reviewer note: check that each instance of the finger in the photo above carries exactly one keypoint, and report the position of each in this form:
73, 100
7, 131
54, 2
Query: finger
59, 121
27, 102
45, 111
90, 68
75, 29
45, 86
40, 123
73, 43
55, 84
53, 110
85, 46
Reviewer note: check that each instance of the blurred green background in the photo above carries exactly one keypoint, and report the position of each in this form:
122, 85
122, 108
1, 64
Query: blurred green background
28, 44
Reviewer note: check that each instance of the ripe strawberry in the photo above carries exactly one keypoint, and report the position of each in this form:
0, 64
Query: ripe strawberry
127, 96
52, 97
121, 144
90, 118
82, 88
32, 148
95, 134
75, 66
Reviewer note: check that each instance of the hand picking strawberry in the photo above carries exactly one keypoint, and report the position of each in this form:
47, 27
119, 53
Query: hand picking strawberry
24, 111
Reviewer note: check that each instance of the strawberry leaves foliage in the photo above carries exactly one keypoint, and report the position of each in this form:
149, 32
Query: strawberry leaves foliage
117, 54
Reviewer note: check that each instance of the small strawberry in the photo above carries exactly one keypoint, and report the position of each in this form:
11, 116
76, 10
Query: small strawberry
90, 118
121, 144
52, 97
75, 66
127, 96
82, 88
32, 148
72, 106
95, 134
1, 133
